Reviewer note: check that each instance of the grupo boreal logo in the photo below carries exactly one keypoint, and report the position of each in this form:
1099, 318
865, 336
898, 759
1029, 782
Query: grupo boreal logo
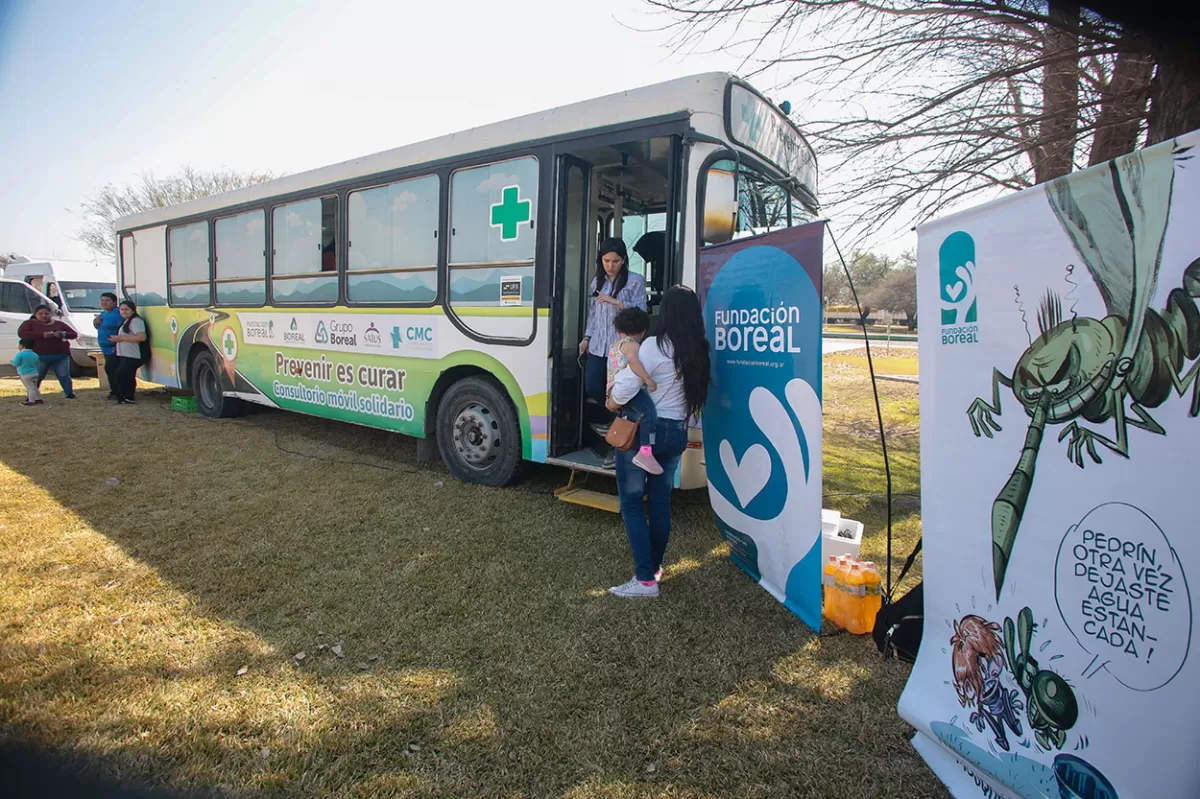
956, 276
322, 335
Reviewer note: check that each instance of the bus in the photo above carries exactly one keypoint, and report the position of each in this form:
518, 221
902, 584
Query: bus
440, 289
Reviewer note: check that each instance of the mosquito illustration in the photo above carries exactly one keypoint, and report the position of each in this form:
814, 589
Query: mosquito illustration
1101, 369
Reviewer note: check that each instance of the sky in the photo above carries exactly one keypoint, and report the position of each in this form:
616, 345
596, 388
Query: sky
99, 93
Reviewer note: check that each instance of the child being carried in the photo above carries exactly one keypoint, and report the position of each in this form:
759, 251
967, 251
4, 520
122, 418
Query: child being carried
632, 323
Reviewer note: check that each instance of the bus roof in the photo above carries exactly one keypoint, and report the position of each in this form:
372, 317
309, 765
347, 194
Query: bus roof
702, 96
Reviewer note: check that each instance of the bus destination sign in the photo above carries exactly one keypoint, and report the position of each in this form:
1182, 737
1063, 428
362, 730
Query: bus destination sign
757, 126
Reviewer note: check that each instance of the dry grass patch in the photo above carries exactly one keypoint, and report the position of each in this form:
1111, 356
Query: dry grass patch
152, 627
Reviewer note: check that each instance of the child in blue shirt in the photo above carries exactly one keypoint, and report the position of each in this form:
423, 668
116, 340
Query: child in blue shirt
26, 362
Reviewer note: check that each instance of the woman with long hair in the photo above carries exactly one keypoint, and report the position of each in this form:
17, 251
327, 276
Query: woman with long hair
677, 360
613, 289
128, 341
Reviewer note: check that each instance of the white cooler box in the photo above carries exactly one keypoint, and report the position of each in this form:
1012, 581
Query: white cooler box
839, 536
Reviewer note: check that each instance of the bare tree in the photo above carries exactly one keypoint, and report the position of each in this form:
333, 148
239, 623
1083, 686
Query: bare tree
101, 211
948, 99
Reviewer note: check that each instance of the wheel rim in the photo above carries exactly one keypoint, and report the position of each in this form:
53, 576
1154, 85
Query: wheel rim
476, 435
207, 383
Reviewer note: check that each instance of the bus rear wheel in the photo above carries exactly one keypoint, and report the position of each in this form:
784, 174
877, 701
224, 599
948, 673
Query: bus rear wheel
478, 434
206, 385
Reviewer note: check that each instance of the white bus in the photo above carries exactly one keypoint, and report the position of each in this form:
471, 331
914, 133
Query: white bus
439, 289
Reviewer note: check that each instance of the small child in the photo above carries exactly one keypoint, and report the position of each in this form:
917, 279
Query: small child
632, 324
26, 362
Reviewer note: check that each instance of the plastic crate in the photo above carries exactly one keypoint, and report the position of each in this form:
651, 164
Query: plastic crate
184, 404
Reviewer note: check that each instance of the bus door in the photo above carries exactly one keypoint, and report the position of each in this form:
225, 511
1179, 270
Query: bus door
570, 304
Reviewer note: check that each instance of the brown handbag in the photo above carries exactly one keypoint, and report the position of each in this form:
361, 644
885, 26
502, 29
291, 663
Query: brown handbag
622, 434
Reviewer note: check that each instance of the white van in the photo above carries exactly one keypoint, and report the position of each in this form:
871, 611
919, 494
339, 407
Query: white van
78, 284
17, 301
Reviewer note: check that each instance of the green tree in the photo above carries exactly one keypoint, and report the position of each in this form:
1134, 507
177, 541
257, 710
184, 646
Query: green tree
867, 270
101, 211
897, 292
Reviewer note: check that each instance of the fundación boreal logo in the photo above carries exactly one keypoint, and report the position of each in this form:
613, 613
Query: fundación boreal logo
322, 335
956, 275
293, 335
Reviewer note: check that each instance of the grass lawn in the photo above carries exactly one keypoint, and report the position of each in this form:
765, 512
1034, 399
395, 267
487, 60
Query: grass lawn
901, 361
898, 329
151, 629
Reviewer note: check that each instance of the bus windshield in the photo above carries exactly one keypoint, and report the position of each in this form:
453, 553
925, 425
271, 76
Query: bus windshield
763, 204
85, 296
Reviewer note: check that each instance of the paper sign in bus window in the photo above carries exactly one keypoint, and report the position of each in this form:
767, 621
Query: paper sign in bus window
510, 290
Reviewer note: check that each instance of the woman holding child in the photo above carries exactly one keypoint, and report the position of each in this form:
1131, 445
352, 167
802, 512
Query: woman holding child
674, 372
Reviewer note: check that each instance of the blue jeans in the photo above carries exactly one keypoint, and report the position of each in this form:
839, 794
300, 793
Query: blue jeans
61, 364
648, 537
641, 409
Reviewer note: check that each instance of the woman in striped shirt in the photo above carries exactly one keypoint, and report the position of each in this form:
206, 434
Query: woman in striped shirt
613, 289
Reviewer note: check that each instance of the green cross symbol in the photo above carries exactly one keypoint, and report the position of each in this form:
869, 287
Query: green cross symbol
229, 344
753, 121
510, 212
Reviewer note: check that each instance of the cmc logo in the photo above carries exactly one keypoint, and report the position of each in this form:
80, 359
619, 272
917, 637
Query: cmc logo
419, 337
956, 278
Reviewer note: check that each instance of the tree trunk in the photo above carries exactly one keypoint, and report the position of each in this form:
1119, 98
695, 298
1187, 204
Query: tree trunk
1123, 106
1060, 93
1175, 96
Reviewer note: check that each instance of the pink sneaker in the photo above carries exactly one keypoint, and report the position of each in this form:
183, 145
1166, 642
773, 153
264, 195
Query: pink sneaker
645, 461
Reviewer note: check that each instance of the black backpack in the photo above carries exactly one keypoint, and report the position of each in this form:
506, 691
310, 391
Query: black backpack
143, 345
900, 623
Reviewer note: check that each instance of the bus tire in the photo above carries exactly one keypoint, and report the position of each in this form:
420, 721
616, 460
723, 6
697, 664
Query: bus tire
478, 433
206, 385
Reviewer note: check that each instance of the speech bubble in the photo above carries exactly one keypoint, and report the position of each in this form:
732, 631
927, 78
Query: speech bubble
1122, 592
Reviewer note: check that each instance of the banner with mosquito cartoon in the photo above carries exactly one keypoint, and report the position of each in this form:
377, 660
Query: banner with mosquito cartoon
1060, 437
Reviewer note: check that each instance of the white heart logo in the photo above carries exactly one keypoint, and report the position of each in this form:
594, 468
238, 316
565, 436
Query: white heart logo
750, 476
955, 291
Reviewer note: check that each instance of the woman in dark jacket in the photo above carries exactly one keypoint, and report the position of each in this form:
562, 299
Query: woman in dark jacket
51, 341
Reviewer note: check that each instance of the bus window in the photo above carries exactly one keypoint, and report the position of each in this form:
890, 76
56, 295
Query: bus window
492, 242
187, 264
128, 270
303, 255
240, 245
393, 243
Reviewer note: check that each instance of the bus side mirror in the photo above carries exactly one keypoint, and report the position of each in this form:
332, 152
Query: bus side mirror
720, 206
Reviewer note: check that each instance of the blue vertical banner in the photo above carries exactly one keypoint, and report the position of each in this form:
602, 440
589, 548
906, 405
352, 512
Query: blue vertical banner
762, 422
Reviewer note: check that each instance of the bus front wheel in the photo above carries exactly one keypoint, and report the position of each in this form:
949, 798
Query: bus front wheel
478, 434
206, 385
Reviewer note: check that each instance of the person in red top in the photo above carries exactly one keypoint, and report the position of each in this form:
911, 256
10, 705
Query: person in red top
51, 343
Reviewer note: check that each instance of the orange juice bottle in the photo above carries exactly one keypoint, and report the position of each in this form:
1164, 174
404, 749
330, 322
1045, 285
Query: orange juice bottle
873, 601
855, 584
829, 585
840, 595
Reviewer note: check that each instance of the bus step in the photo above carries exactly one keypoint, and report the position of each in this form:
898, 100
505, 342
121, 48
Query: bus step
589, 498
576, 494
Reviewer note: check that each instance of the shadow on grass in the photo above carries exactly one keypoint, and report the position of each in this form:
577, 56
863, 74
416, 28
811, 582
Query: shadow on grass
478, 658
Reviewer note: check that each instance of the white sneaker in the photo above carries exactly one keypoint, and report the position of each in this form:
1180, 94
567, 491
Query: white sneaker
635, 590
